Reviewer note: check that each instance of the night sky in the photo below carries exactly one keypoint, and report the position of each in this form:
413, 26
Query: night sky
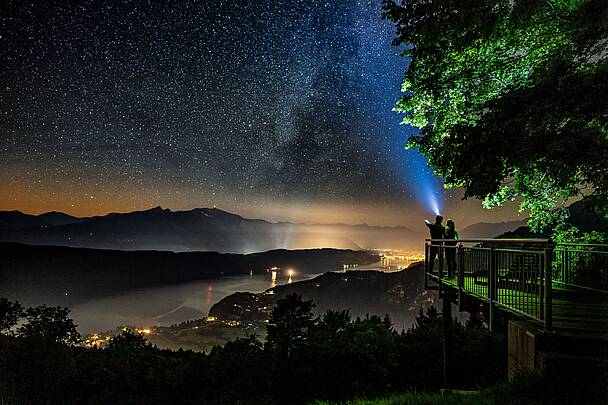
280, 110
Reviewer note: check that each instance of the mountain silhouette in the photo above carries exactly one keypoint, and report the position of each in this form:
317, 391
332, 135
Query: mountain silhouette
200, 229
490, 230
17, 220
580, 215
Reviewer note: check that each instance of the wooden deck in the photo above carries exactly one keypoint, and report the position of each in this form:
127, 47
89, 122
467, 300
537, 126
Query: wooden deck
550, 300
580, 312
576, 313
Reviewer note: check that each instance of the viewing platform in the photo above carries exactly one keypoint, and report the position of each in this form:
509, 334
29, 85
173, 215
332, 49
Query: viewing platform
552, 298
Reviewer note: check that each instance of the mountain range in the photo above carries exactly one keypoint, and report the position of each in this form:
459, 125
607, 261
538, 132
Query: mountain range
200, 229
211, 229
580, 215
490, 230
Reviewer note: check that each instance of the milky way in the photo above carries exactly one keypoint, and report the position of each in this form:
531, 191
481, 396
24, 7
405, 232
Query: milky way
118, 105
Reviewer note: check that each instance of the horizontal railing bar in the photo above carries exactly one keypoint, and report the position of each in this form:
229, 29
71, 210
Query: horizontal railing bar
601, 252
527, 252
534, 241
534, 252
519, 240
582, 287
518, 311
583, 244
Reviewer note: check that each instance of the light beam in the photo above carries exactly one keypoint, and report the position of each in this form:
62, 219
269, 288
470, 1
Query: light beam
423, 182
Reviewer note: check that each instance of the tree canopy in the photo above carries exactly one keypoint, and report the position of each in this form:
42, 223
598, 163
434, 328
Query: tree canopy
303, 358
49, 323
510, 97
10, 312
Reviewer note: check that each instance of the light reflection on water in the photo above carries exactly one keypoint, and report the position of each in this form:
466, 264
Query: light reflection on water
167, 305
387, 266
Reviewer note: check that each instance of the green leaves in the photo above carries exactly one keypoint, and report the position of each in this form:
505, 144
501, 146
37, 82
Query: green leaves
497, 199
509, 90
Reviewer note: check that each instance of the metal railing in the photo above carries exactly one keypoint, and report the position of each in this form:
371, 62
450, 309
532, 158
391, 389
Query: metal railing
581, 266
511, 273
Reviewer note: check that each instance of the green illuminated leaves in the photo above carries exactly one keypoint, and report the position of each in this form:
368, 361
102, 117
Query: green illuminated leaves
509, 90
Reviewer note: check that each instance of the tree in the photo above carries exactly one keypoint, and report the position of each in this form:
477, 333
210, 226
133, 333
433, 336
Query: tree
511, 97
244, 363
424, 318
49, 323
129, 341
289, 324
10, 312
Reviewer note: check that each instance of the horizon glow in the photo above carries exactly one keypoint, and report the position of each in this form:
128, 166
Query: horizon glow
317, 141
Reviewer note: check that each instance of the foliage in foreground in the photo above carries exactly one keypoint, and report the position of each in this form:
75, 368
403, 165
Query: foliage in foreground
46, 323
304, 358
408, 398
510, 97
526, 389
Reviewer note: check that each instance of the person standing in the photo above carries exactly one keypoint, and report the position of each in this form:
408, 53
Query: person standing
450, 250
437, 232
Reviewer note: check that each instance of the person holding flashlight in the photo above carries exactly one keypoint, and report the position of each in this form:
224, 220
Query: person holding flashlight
437, 232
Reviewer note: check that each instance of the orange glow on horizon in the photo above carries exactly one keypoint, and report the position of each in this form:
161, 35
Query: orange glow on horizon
39, 197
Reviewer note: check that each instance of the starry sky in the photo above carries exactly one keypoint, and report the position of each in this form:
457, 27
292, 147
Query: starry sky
279, 110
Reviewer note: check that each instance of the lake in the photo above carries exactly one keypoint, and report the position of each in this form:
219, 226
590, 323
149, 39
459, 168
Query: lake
163, 306
167, 305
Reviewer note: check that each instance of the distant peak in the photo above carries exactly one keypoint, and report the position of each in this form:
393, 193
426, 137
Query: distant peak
54, 213
155, 210
211, 210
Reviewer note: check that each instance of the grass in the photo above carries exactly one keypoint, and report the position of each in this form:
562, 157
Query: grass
526, 389
417, 398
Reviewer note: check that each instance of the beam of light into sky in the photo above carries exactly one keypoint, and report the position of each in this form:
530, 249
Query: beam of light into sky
416, 179
425, 184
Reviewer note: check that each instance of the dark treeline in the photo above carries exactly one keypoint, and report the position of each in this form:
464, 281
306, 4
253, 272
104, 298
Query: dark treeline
52, 271
304, 358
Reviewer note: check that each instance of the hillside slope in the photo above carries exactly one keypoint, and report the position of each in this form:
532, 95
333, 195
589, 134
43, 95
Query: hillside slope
62, 275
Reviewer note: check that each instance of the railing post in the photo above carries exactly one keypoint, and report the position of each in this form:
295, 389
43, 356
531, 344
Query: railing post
566, 268
426, 265
548, 287
492, 289
460, 275
448, 354
540, 283
441, 251
562, 267
440, 274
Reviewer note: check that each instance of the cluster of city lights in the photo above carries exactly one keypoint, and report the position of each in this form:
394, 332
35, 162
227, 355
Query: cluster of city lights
100, 340
275, 271
96, 340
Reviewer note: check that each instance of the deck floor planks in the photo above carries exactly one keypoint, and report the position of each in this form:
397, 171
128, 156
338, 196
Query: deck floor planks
575, 312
